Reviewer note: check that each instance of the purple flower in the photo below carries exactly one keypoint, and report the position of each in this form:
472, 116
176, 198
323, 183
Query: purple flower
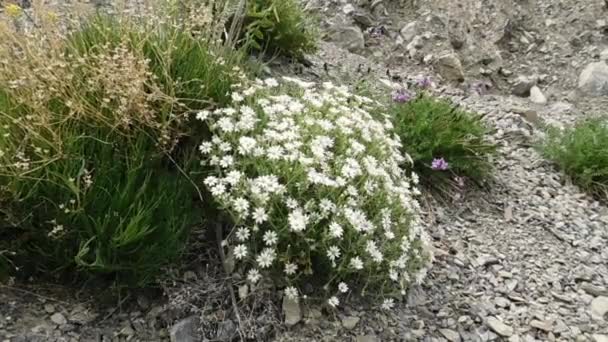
439, 164
402, 96
424, 82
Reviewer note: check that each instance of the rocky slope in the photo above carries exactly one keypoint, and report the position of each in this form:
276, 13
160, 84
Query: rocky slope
524, 261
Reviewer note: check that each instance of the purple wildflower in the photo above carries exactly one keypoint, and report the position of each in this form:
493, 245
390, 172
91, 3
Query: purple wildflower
439, 164
424, 82
402, 96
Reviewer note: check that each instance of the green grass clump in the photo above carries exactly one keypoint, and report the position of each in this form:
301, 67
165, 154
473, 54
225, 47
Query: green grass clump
431, 129
582, 153
97, 151
278, 27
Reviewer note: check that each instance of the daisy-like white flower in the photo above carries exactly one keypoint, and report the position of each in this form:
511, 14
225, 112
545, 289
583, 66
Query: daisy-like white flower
236, 97
253, 275
342, 287
333, 301
291, 203
333, 253
266, 258
205, 147
297, 220
335, 230
242, 233
356, 263
241, 205
246, 145
291, 293
240, 252
270, 238
203, 115
233, 177
259, 215
291, 268
388, 304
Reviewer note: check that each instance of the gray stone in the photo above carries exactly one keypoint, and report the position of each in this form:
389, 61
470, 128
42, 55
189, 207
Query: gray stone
599, 307
350, 322
292, 311
408, 32
185, 330
349, 37
541, 325
58, 318
499, 327
593, 80
502, 302
600, 338
449, 67
226, 331
537, 96
49, 308
604, 55
450, 335
522, 86
367, 338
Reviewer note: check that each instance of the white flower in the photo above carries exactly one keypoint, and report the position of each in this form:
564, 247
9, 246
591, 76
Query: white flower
233, 177
388, 304
291, 203
246, 145
226, 125
297, 220
236, 97
356, 263
291, 268
351, 168
240, 252
333, 253
259, 215
205, 147
270, 238
271, 82
266, 258
335, 230
333, 301
226, 161
242, 233
203, 115
240, 205
291, 293
342, 287
327, 206
253, 275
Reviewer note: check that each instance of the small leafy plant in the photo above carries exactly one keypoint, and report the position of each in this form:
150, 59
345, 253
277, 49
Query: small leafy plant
581, 152
314, 192
278, 27
445, 142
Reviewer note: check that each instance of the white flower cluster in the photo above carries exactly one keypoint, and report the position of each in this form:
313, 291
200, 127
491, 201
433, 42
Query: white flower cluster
314, 185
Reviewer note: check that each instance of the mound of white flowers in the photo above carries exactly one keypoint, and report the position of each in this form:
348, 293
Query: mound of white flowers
315, 190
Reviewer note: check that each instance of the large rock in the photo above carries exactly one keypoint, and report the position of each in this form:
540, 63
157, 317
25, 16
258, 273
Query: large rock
408, 32
292, 311
522, 85
185, 330
449, 67
499, 327
593, 80
537, 96
349, 37
599, 307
